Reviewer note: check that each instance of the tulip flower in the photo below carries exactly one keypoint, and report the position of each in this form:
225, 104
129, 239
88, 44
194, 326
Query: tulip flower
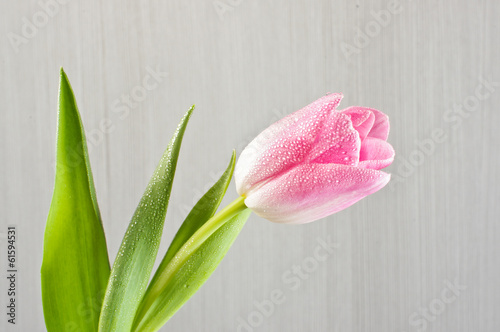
315, 162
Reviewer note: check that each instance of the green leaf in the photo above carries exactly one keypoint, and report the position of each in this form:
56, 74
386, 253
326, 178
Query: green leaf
137, 253
75, 266
190, 275
204, 209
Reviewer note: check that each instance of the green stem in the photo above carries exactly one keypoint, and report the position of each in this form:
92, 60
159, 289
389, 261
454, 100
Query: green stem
194, 242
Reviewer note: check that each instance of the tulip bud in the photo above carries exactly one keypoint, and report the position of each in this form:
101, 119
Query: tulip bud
315, 162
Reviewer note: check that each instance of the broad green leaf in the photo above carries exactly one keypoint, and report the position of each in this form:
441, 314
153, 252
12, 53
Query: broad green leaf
191, 275
137, 253
75, 266
204, 209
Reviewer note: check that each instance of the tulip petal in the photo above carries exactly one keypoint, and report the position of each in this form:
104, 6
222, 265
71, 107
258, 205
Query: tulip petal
310, 192
381, 126
282, 145
362, 119
338, 142
375, 153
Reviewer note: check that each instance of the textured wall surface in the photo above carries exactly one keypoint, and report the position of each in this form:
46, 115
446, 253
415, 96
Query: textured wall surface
421, 254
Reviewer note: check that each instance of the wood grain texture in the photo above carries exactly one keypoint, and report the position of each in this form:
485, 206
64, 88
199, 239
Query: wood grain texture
433, 66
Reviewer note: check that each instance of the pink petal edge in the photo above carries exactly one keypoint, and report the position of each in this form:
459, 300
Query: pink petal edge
375, 153
362, 119
381, 126
313, 191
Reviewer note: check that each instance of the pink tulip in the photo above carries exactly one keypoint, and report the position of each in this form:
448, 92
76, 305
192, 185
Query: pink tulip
315, 162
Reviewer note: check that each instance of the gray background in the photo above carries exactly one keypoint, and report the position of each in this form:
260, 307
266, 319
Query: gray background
245, 64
